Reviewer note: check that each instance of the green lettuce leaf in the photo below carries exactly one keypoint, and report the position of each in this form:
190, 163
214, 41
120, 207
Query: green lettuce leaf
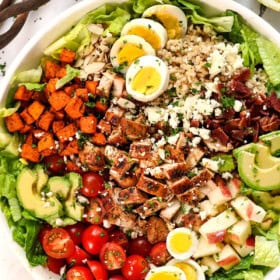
5, 112
34, 86
253, 274
266, 252
29, 76
270, 55
71, 73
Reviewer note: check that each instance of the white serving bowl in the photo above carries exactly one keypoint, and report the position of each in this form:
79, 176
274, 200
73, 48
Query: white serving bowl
30, 55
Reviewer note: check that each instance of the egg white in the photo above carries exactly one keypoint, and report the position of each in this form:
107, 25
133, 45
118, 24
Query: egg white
149, 24
167, 268
169, 10
140, 63
129, 39
182, 255
199, 271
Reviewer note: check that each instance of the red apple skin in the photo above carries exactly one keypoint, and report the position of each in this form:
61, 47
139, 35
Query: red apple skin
249, 210
231, 260
216, 237
225, 191
234, 238
250, 241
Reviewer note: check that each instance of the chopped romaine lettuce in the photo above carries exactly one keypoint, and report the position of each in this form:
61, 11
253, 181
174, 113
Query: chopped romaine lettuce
266, 252
29, 76
71, 73
34, 86
253, 274
270, 55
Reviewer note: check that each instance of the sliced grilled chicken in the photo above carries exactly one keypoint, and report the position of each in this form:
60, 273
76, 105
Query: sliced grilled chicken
157, 230
105, 85
181, 185
113, 115
133, 130
132, 196
192, 221
117, 137
118, 86
194, 156
150, 207
216, 146
170, 211
122, 164
193, 195
140, 149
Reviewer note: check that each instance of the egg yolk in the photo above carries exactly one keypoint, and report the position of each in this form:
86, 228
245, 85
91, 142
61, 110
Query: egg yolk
146, 33
164, 275
171, 23
181, 242
146, 81
129, 52
189, 271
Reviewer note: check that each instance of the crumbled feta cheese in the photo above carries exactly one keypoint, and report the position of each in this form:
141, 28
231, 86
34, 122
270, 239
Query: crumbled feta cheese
173, 139
59, 222
227, 176
82, 199
237, 106
49, 194
161, 153
218, 112
106, 224
211, 164
195, 141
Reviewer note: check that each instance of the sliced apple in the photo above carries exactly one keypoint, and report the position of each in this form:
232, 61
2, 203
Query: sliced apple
204, 248
212, 265
215, 228
246, 248
209, 209
227, 258
248, 210
239, 232
234, 186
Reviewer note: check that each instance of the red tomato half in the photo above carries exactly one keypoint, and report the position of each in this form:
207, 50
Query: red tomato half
135, 268
55, 265
93, 183
95, 211
79, 273
117, 277
79, 257
112, 255
58, 244
55, 164
159, 254
98, 270
119, 237
140, 246
93, 238
75, 231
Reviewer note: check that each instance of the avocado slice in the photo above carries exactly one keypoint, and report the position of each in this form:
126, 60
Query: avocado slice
42, 178
272, 140
73, 208
264, 179
31, 200
266, 200
60, 186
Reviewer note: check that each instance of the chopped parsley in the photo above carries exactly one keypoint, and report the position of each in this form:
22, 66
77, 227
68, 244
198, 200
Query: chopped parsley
227, 102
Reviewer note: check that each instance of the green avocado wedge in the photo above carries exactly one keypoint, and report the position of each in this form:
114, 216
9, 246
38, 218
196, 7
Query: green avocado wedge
272, 140
266, 200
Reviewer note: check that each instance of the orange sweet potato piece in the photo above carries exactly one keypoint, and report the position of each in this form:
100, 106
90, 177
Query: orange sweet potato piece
51, 69
67, 56
61, 72
82, 93
22, 94
105, 127
58, 100
29, 139
73, 167
66, 132
101, 107
47, 142
14, 122
39, 133
70, 90
36, 109
48, 152
57, 125
51, 86
75, 108
88, 124
30, 153
46, 120
25, 129
71, 149
28, 119
99, 139
91, 86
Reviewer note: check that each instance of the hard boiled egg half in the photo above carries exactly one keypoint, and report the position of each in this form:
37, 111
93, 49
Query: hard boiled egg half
166, 273
147, 78
172, 18
181, 243
150, 30
128, 48
191, 269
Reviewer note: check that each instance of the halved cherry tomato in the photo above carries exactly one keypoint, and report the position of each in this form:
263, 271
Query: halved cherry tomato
55, 164
58, 244
135, 268
93, 238
140, 246
98, 270
112, 255
159, 254
79, 257
93, 183
117, 277
79, 273
119, 237
75, 231
43, 232
55, 265
95, 211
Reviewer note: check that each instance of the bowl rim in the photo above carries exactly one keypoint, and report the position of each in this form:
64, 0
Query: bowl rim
74, 13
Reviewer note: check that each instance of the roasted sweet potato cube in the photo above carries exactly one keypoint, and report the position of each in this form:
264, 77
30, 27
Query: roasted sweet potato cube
28, 119
59, 99
82, 93
51, 69
51, 86
30, 153
67, 56
25, 129
36, 109
75, 108
47, 142
14, 122
71, 149
46, 120
88, 124
57, 125
65, 133
22, 94
99, 139
91, 86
